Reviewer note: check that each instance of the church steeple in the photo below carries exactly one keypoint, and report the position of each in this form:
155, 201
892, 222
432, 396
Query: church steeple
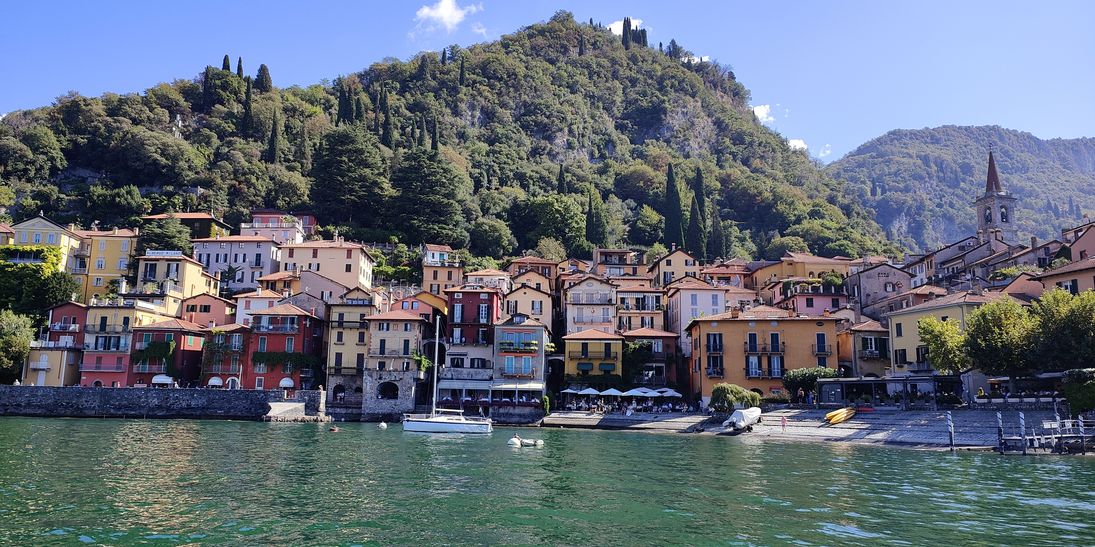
992, 182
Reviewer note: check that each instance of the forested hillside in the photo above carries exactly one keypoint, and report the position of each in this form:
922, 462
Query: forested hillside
560, 130
921, 183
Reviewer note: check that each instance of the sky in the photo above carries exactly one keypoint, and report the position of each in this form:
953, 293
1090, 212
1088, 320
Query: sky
828, 76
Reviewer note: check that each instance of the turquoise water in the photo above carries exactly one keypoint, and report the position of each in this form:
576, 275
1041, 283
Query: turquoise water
67, 481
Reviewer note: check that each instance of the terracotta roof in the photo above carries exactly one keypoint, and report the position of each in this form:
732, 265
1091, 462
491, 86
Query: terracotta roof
725, 269
470, 288
207, 295
956, 299
593, 334
487, 271
229, 239
807, 257
278, 276
532, 260
324, 244
529, 321
434, 247
122, 232
869, 325
260, 293
172, 324
395, 315
4, 228
647, 332
530, 288
182, 216
688, 282
1077, 266
282, 309
738, 290
228, 327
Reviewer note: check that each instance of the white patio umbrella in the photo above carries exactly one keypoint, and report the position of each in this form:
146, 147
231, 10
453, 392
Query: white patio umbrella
569, 390
663, 389
637, 392
612, 391
671, 393
652, 394
589, 391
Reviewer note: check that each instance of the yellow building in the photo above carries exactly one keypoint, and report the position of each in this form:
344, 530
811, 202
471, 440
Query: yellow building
348, 344
592, 352
753, 348
344, 262
169, 277
7, 235
1075, 277
909, 352
673, 266
107, 254
42, 231
863, 349
530, 301
535, 280
441, 268
801, 265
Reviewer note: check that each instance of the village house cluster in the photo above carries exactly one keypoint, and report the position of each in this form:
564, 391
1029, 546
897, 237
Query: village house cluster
270, 306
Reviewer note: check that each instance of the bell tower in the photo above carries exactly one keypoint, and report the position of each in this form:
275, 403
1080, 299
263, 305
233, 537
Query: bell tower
995, 209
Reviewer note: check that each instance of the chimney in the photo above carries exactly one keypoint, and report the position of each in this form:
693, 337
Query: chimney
980, 236
115, 231
735, 313
1033, 242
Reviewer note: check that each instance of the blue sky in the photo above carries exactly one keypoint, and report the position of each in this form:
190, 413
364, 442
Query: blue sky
829, 75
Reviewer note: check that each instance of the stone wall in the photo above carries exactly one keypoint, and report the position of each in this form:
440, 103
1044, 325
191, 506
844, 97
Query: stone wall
374, 408
104, 402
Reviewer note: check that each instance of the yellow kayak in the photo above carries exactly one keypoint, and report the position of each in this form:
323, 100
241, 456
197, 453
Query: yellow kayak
841, 415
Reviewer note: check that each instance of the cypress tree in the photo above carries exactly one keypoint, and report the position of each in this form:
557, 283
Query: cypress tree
701, 198
444, 56
340, 112
697, 235
561, 180
387, 133
642, 33
716, 243
591, 21
581, 45
674, 227
434, 143
376, 113
239, 67
596, 218
626, 34
226, 63
207, 88
248, 115
359, 109
422, 130
272, 144
263, 83
461, 71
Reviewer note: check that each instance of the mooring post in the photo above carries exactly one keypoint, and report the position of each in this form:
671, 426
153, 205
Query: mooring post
1000, 432
1023, 431
951, 429
1083, 441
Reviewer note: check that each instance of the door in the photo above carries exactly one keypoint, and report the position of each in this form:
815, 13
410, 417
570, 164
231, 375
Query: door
41, 380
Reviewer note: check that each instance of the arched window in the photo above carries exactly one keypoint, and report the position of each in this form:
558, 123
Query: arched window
988, 215
1004, 214
387, 390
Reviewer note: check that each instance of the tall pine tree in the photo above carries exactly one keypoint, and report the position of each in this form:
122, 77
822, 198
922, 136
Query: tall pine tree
716, 243
701, 198
226, 63
625, 35
444, 56
359, 109
435, 143
248, 119
461, 71
272, 145
596, 218
263, 83
581, 45
561, 180
207, 88
696, 236
673, 212
386, 135
239, 67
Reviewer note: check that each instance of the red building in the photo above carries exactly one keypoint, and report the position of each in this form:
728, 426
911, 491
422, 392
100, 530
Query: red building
226, 356
285, 344
473, 311
208, 310
166, 353
55, 357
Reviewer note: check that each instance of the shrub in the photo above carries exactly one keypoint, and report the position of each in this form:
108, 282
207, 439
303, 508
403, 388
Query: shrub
805, 378
775, 399
724, 397
1079, 390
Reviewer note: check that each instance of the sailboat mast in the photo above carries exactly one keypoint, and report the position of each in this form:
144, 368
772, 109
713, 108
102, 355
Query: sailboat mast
436, 365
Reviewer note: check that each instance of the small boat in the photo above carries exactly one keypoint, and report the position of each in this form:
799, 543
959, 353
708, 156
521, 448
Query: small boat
743, 419
518, 441
840, 415
442, 420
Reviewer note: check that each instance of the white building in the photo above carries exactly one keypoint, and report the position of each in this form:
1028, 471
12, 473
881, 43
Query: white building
247, 257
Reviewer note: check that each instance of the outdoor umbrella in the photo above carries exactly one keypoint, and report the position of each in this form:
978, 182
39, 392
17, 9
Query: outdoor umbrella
671, 393
637, 392
569, 390
589, 391
612, 391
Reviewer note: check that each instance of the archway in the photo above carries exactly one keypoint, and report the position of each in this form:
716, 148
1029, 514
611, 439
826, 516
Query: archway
233, 383
758, 391
97, 383
338, 392
387, 390
845, 371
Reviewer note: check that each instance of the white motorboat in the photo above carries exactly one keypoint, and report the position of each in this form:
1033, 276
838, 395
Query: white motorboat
444, 421
743, 418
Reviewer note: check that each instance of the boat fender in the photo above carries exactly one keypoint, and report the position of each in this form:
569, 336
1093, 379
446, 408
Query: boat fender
514, 442
539, 443
382, 425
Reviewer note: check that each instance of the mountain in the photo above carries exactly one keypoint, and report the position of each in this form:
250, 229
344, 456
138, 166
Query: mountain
560, 130
921, 183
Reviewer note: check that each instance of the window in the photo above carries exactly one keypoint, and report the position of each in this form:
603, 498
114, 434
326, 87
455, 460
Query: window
190, 308
52, 238
809, 302
315, 253
889, 287
897, 330
900, 356
668, 262
1003, 214
262, 343
360, 337
122, 263
37, 237
361, 360
338, 337
348, 268
822, 361
125, 244
260, 382
100, 263
98, 282
456, 362
384, 326
338, 359
836, 303
407, 327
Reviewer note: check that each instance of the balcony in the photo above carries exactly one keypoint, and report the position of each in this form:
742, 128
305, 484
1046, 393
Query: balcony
592, 354
526, 347
64, 327
765, 348
221, 369
150, 369
715, 372
55, 344
106, 329
282, 329
376, 352
441, 263
450, 373
349, 325
823, 349
464, 341
647, 308
82, 251
592, 320
77, 271
115, 348
39, 365
775, 372
515, 373
753, 372
593, 300
869, 354
711, 348
344, 370
101, 367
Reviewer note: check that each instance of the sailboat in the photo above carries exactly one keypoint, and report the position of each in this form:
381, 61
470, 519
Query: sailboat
442, 420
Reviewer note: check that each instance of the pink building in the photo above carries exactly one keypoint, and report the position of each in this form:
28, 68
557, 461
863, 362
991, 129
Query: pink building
208, 310
166, 353
811, 297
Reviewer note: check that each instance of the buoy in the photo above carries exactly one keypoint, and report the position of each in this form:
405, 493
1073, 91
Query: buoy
334, 429
539, 443
514, 442
382, 425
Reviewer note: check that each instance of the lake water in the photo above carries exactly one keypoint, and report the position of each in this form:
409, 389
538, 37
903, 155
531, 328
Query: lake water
67, 481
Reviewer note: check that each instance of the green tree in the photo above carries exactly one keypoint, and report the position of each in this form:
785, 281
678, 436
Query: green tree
780, 245
697, 235
655, 252
726, 397
550, 248
388, 133
247, 121
699, 192
462, 74
351, 178
434, 141
596, 218
805, 378
581, 45
561, 181
998, 337
263, 83
946, 344
429, 204
491, 237
116, 207
273, 144
626, 34
165, 235
673, 232
239, 67
549, 216
647, 228
716, 242
226, 63
1063, 336
16, 334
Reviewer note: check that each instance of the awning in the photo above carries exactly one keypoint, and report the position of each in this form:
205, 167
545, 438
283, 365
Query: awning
163, 379
585, 366
510, 386
216, 381
607, 367
286, 383
463, 384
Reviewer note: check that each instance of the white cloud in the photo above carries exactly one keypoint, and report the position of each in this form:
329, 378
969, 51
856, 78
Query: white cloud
617, 27
763, 113
478, 28
796, 144
825, 151
445, 13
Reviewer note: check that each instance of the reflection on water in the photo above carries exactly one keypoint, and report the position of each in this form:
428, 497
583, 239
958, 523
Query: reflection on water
178, 482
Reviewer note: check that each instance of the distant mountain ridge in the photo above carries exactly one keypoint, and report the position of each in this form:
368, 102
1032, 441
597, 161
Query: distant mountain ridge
921, 182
